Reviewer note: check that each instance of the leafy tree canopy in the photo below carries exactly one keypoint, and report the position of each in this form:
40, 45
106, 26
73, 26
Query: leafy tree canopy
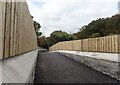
62, 36
100, 27
58, 36
37, 27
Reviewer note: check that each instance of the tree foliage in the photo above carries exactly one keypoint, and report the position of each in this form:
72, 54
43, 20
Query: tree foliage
58, 36
100, 27
62, 36
37, 27
42, 42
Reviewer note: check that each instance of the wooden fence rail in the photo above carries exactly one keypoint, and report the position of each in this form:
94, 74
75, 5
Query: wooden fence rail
17, 34
108, 44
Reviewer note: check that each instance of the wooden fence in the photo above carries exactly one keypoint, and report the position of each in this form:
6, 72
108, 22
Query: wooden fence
108, 44
17, 34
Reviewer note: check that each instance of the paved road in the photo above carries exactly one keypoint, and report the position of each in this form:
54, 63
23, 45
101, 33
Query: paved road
56, 68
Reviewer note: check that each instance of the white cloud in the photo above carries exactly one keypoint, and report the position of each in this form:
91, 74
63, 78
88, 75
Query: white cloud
69, 15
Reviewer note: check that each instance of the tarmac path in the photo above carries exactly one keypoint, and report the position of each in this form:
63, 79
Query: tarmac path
53, 67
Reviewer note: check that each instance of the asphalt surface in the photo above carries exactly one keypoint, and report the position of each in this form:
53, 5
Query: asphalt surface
55, 68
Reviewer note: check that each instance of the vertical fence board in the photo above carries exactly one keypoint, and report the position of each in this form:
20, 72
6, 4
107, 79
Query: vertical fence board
110, 44
79, 45
3, 26
1, 31
118, 43
12, 26
7, 30
104, 44
107, 43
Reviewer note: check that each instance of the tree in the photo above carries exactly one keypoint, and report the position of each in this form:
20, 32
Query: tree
95, 35
50, 41
72, 37
62, 36
37, 28
58, 36
42, 42
100, 27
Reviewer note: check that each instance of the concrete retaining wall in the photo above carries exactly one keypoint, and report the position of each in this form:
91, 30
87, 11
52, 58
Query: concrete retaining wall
19, 69
105, 66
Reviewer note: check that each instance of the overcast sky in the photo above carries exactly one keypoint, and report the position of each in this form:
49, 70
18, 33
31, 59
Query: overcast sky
69, 15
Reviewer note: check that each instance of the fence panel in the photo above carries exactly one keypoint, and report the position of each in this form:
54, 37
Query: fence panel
108, 44
17, 34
